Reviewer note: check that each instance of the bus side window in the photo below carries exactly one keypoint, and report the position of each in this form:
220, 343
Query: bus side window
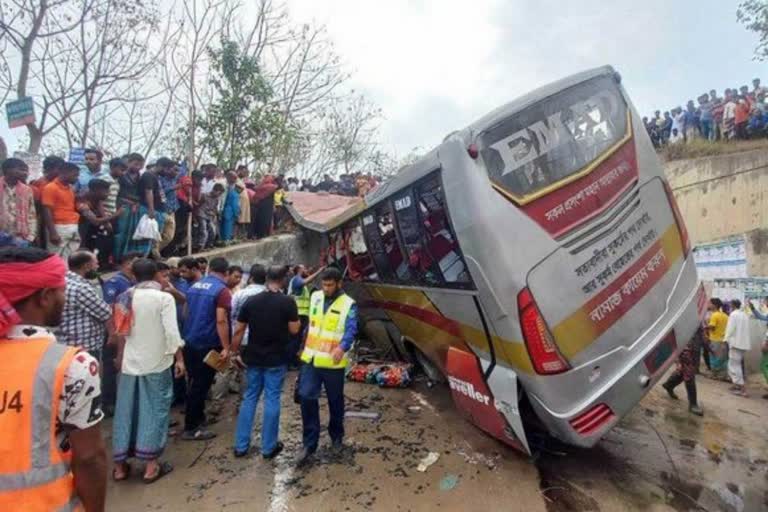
360, 264
383, 243
440, 241
420, 266
337, 254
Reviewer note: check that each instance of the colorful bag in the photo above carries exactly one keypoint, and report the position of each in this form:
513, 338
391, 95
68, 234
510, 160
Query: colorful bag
393, 375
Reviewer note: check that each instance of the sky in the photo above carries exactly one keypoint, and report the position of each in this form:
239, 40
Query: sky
435, 66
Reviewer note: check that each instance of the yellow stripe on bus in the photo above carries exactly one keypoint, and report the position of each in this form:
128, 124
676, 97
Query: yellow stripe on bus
512, 353
578, 331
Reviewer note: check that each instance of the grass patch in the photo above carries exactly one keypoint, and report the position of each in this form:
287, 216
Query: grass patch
698, 148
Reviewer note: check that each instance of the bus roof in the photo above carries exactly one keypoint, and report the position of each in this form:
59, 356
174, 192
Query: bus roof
329, 211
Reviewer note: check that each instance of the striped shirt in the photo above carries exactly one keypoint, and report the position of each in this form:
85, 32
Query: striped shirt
110, 203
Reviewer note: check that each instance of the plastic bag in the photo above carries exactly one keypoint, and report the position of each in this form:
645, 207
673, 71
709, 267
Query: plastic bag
147, 229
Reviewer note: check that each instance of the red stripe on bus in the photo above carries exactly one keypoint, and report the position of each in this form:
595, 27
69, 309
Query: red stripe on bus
574, 204
428, 317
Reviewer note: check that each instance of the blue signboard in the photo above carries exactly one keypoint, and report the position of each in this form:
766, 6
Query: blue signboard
77, 156
20, 112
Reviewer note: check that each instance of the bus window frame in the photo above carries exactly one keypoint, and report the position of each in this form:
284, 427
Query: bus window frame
350, 225
416, 186
392, 271
331, 245
388, 202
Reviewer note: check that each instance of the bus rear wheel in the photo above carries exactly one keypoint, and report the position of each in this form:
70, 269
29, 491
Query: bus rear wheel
432, 372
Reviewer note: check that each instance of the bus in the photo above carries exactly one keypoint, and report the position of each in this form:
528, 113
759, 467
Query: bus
535, 261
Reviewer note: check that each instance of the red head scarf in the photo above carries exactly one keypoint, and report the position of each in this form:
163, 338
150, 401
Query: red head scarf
20, 280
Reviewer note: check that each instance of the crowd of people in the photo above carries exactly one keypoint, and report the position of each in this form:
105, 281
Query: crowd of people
156, 335
105, 209
740, 114
357, 184
722, 342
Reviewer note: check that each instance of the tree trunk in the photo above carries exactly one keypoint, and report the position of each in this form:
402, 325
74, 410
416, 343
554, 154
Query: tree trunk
35, 133
35, 139
3, 150
192, 122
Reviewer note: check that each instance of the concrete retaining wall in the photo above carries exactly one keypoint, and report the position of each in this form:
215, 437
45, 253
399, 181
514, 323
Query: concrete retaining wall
279, 249
725, 196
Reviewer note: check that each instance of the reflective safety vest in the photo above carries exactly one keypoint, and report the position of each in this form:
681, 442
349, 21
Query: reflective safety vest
326, 329
35, 473
303, 300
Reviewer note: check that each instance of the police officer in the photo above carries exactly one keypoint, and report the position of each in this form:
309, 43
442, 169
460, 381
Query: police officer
332, 330
40, 469
206, 328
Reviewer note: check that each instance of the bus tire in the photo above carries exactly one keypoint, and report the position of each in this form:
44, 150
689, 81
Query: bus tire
432, 372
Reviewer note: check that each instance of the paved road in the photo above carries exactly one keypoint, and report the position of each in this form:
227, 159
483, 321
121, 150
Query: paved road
658, 459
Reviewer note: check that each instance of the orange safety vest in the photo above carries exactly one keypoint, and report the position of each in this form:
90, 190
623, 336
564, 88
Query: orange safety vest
35, 473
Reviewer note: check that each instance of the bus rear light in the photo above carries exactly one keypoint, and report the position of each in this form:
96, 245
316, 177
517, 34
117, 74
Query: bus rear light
473, 151
545, 357
678, 220
592, 420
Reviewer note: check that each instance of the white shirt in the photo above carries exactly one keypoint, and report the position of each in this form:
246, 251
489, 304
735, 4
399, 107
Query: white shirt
729, 111
154, 336
207, 186
238, 301
737, 330
678, 121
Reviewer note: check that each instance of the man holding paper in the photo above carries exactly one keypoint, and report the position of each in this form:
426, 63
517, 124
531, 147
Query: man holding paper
206, 328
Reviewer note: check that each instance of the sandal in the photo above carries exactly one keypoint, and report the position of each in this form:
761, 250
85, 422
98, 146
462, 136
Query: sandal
125, 476
163, 469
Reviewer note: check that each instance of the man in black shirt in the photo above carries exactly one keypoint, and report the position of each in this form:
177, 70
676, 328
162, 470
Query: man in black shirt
272, 320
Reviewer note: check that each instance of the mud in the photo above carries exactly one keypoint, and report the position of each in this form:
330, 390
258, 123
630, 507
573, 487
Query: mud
658, 459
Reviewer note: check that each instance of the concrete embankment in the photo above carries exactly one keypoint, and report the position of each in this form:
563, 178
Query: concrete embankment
289, 248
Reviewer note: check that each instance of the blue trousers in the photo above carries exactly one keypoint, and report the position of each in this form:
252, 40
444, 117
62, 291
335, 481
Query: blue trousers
269, 380
310, 380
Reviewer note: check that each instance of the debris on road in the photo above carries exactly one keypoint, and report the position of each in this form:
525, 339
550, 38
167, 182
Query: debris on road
448, 482
476, 458
367, 415
427, 461
385, 374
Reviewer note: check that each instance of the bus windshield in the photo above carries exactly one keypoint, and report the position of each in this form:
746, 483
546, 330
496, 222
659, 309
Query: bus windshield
554, 138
